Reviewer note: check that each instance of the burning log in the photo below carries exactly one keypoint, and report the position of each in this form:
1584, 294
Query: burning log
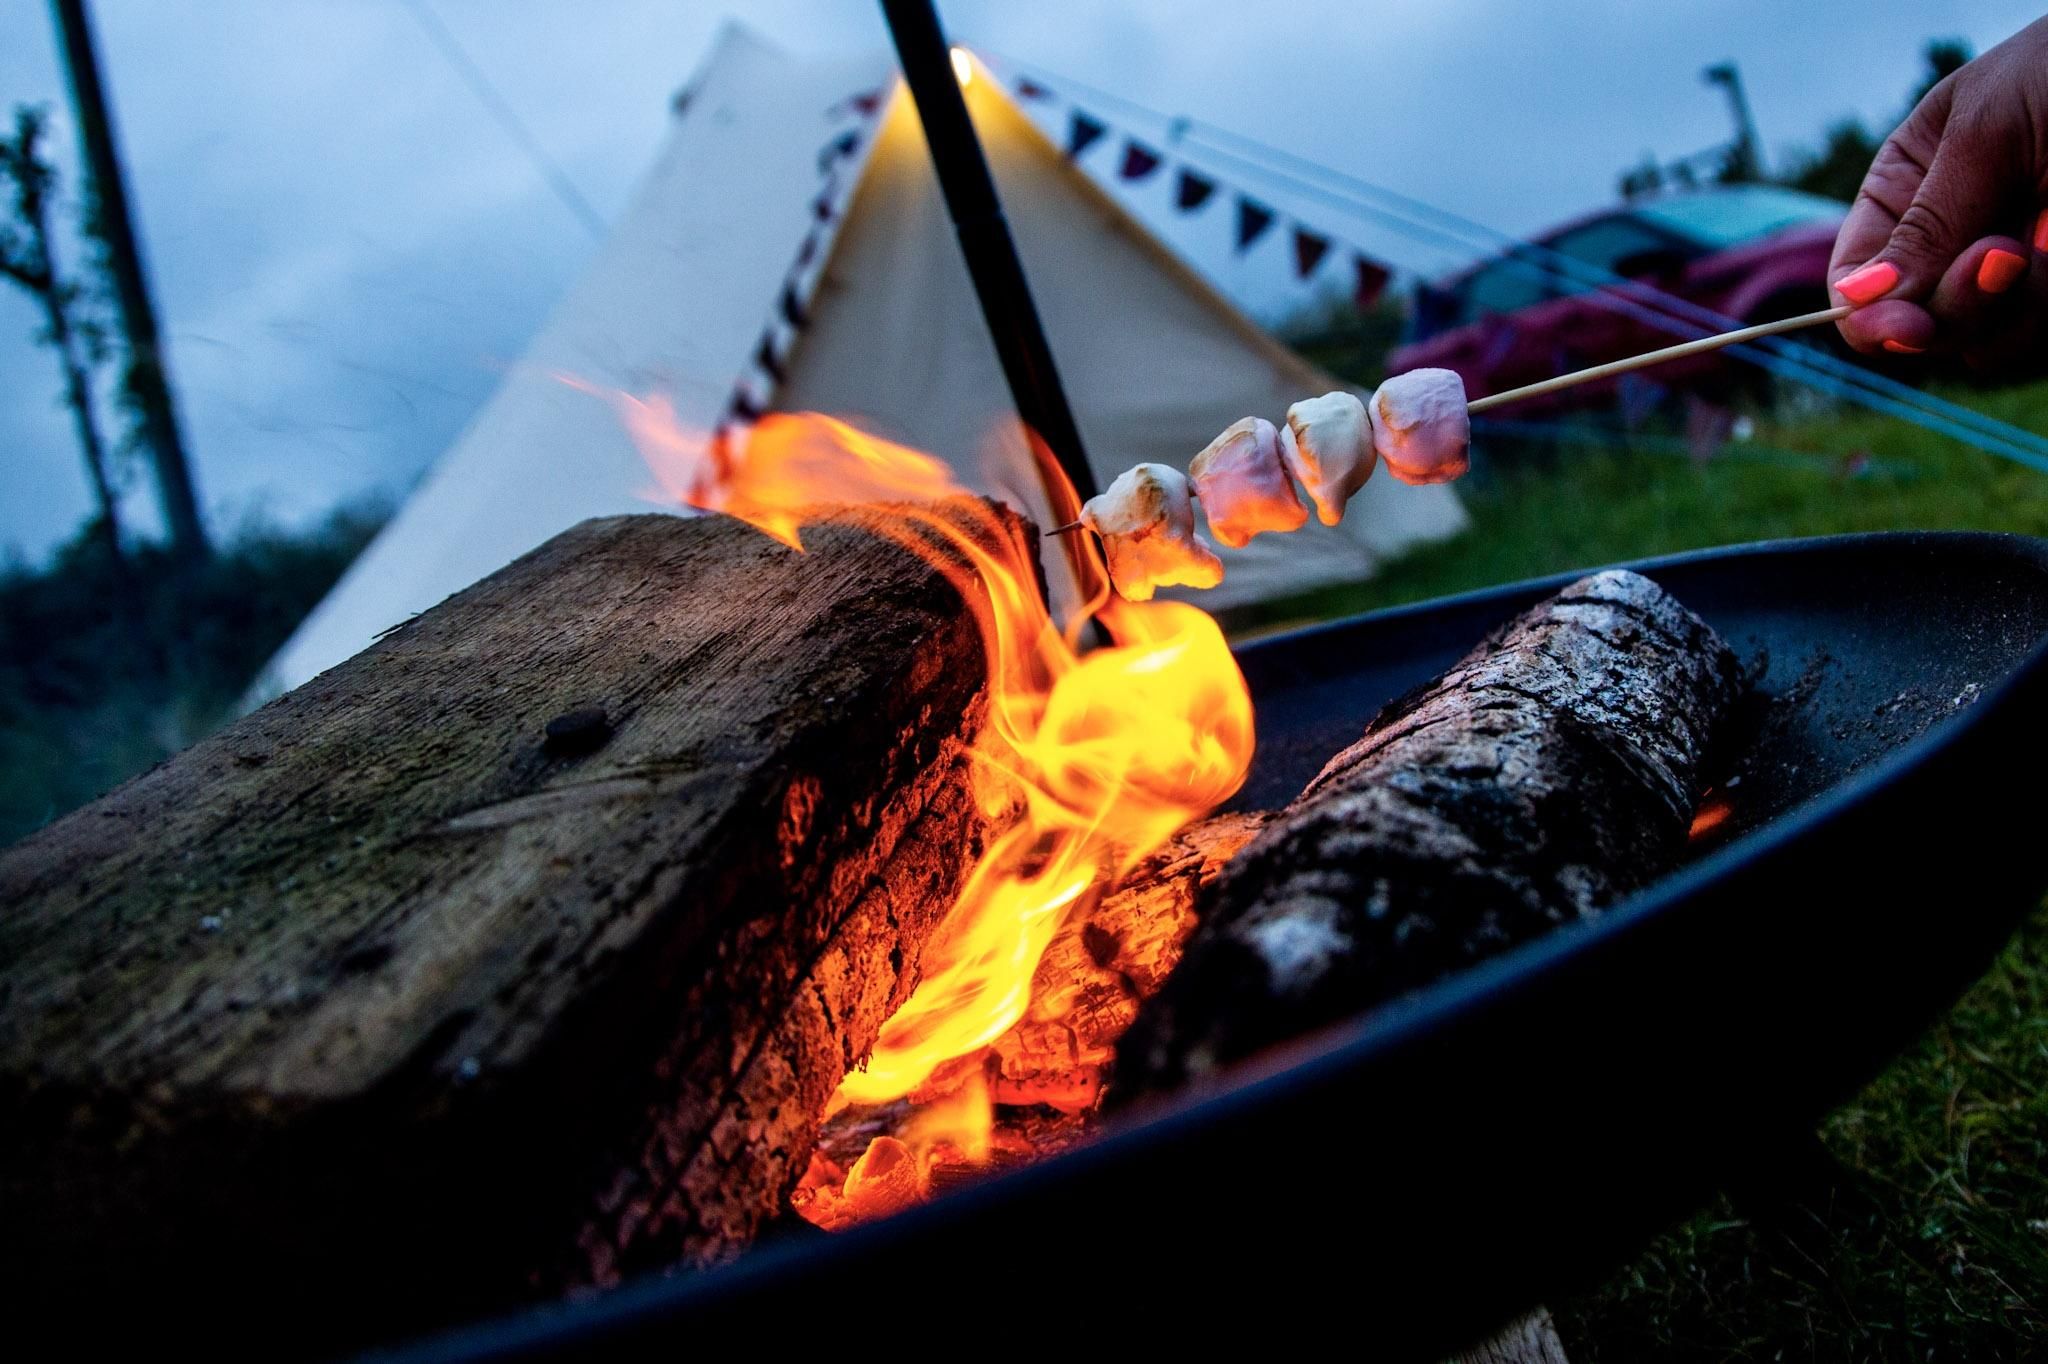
1551, 772
523, 949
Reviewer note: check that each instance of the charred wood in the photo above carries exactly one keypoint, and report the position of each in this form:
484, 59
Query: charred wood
1551, 772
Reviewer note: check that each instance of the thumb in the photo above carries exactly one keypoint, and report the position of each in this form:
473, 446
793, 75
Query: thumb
1955, 204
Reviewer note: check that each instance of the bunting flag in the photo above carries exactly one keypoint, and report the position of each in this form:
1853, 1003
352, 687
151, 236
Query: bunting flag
867, 102
809, 249
1372, 280
1082, 131
1191, 191
1031, 89
1253, 218
768, 361
839, 147
1139, 160
792, 307
1309, 250
743, 407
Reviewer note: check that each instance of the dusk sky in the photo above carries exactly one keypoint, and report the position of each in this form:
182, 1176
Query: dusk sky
347, 248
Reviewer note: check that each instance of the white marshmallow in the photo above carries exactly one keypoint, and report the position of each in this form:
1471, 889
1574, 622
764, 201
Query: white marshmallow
1327, 444
1147, 523
1420, 426
1242, 486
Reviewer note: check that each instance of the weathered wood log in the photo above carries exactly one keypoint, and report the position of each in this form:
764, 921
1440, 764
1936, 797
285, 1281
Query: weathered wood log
1552, 771
519, 951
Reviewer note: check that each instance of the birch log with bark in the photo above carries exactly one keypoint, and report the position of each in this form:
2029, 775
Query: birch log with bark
523, 949
1552, 771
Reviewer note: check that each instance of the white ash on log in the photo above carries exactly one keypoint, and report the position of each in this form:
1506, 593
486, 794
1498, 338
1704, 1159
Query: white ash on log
523, 949
1551, 772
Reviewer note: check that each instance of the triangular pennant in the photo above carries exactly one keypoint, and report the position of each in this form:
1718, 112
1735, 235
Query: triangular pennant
867, 102
1082, 131
1309, 250
1139, 160
1031, 89
805, 252
1372, 281
767, 360
843, 145
1191, 191
1253, 218
742, 407
792, 307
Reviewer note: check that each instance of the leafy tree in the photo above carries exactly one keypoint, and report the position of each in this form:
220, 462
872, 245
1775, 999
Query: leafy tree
28, 257
1836, 168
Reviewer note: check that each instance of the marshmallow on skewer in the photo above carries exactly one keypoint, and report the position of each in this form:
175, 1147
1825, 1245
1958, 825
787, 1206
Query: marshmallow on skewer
1420, 426
1327, 444
1242, 486
1147, 523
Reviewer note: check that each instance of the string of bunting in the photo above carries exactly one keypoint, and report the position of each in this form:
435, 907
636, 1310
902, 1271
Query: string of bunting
1140, 161
767, 368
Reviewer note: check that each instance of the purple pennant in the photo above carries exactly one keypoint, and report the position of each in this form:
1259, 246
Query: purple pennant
1082, 131
1253, 218
867, 102
1372, 281
1191, 191
743, 408
1309, 250
1031, 89
1139, 160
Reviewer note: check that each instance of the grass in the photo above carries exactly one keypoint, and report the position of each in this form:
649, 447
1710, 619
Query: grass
1935, 1243
105, 670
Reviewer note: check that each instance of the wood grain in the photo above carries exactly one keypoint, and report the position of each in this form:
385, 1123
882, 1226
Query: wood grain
519, 951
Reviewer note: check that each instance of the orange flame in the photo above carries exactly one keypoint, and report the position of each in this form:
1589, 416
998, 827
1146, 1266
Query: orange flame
1112, 751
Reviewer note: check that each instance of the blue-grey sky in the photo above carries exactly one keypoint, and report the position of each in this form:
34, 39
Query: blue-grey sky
347, 249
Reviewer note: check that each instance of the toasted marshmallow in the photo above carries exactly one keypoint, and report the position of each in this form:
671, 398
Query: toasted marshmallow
1147, 523
1327, 444
1242, 486
1420, 427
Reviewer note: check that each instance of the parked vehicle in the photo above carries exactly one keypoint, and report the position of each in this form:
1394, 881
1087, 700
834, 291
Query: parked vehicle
1753, 252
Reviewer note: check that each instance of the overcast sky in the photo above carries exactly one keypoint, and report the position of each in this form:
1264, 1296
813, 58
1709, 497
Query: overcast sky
347, 249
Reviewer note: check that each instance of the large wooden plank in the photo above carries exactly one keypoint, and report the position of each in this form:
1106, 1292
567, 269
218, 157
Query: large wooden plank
384, 1005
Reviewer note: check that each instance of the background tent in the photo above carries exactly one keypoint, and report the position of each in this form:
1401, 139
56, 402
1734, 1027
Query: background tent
790, 250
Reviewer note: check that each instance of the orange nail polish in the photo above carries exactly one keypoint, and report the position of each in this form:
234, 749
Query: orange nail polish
1869, 284
2000, 271
1901, 348
2041, 231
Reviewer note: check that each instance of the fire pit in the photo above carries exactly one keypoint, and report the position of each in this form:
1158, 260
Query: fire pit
1451, 1157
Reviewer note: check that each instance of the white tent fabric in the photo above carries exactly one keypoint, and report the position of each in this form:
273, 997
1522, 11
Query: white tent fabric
735, 236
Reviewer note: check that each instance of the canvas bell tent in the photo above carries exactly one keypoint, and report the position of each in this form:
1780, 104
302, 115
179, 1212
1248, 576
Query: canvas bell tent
790, 251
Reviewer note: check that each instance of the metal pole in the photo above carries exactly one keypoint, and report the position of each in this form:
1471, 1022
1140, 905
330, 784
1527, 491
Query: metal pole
124, 259
986, 242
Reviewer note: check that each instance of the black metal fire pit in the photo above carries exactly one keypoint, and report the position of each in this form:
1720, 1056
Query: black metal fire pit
1412, 1176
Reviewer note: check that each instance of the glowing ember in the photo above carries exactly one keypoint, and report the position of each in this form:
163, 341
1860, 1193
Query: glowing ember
1108, 754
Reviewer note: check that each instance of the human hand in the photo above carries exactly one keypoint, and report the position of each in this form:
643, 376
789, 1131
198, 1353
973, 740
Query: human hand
1926, 254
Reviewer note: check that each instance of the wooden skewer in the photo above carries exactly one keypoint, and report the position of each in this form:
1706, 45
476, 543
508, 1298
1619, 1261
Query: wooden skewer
1633, 362
1657, 357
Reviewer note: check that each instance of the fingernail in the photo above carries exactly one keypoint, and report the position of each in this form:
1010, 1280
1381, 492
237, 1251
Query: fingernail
1869, 284
2000, 271
2041, 231
1901, 348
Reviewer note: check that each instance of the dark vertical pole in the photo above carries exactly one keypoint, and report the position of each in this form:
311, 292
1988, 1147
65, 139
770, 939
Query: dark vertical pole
150, 385
985, 239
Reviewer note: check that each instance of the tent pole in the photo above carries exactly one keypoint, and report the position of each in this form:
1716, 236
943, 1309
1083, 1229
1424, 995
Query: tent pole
986, 243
